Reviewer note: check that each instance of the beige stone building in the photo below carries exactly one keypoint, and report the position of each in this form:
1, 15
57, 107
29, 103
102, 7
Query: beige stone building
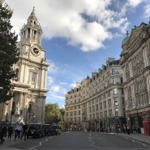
28, 103
97, 102
135, 61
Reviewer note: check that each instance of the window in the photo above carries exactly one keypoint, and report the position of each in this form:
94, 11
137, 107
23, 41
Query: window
97, 107
116, 112
110, 113
115, 71
116, 103
17, 74
100, 105
79, 112
115, 91
109, 102
34, 77
101, 114
28, 36
104, 104
34, 35
30, 108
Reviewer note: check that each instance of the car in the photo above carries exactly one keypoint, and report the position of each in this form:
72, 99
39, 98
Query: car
35, 130
57, 129
47, 129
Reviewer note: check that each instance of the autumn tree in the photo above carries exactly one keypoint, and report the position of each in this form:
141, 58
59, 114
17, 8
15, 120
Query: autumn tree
9, 53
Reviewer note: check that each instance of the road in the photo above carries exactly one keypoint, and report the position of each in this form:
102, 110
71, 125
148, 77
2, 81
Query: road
80, 140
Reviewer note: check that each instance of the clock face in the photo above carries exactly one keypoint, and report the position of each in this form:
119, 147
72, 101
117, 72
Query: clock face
36, 51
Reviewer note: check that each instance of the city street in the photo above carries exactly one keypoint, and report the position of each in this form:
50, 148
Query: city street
81, 140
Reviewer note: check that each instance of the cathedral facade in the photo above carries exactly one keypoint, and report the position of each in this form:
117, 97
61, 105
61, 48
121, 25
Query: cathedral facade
28, 102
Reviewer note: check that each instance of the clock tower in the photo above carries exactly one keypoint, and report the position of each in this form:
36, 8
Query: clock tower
28, 103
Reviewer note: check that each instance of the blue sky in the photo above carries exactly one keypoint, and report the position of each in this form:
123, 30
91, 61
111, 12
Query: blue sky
79, 35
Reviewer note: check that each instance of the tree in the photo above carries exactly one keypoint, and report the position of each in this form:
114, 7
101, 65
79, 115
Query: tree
62, 111
9, 54
52, 114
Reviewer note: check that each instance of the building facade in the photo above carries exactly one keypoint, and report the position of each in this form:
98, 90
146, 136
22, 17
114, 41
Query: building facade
98, 102
135, 61
28, 102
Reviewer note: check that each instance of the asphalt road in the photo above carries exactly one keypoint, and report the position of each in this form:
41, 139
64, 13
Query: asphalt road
81, 140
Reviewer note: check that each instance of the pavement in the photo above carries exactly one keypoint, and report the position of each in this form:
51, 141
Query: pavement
8, 142
139, 137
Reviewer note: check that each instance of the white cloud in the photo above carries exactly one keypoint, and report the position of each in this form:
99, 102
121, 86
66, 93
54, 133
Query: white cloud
147, 9
50, 80
73, 85
135, 3
85, 23
52, 67
57, 89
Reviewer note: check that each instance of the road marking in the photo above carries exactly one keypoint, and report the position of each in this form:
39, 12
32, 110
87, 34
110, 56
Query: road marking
68, 132
144, 145
40, 143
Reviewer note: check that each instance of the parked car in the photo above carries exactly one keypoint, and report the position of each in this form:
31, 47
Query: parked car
47, 129
57, 129
35, 130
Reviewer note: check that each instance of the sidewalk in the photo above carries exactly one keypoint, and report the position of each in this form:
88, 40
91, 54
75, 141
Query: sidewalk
138, 137
8, 142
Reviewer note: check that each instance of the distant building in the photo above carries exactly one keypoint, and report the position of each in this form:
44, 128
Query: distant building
99, 101
28, 103
135, 61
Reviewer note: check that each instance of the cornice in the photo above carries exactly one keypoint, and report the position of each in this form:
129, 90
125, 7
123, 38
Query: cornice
30, 62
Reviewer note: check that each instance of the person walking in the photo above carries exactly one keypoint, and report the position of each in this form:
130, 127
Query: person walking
128, 130
24, 131
10, 131
4, 130
18, 129
1, 136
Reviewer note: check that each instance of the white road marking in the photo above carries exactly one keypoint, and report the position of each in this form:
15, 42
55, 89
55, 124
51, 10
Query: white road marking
144, 145
40, 143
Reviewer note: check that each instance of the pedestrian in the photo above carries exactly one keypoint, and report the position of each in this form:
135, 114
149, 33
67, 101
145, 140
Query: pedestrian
134, 130
24, 131
1, 136
10, 131
18, 129
128, 130
4, 130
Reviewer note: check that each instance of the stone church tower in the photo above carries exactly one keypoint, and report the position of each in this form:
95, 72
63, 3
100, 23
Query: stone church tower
28, 103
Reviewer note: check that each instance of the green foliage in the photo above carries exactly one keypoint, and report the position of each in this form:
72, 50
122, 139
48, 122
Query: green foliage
52, 114
9, 54
62, 111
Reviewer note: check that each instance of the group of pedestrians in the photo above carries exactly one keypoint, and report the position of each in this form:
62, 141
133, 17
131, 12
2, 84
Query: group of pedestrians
19, 131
